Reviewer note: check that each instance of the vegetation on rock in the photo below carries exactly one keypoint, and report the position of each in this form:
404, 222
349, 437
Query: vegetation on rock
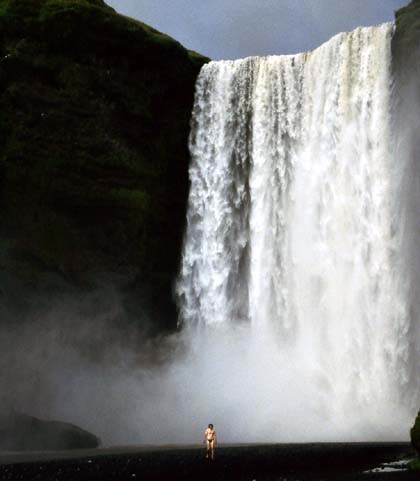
94, 122
405, 42
408, 23
415, 434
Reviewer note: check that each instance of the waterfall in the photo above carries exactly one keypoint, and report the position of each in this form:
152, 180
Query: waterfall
293, 235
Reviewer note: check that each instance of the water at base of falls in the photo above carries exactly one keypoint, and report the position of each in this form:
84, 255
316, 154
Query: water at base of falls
292, 291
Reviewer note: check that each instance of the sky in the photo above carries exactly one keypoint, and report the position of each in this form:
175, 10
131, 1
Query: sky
231, 29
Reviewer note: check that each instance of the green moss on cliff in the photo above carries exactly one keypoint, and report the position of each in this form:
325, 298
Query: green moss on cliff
94, 122
408, 23
415, 434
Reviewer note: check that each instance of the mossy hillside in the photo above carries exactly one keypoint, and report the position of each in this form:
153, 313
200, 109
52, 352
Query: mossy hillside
84, 23
406, 41
408, 24
415, 434
94, 121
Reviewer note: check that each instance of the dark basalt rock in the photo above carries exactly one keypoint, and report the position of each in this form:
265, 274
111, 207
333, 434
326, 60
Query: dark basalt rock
19, 432
94, 123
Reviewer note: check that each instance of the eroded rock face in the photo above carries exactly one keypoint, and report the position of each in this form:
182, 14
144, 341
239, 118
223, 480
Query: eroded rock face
94, 124
19, 432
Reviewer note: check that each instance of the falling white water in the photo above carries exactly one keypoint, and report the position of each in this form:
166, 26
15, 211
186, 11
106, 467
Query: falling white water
291, 269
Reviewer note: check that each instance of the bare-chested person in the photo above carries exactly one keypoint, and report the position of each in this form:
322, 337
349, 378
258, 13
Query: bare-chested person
210, 440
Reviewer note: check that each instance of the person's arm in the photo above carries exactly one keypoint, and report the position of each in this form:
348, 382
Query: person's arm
205, 436
215, 438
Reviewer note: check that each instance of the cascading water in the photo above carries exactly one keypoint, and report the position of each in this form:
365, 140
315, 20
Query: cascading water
291, 258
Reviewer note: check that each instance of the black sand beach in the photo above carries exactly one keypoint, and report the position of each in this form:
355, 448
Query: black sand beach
280, 462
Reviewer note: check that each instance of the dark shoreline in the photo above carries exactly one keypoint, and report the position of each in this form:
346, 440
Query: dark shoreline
270, 462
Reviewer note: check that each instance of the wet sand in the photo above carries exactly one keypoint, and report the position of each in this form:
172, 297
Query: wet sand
275, 462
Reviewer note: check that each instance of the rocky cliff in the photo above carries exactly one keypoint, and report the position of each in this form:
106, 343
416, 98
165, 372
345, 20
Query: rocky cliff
94, 123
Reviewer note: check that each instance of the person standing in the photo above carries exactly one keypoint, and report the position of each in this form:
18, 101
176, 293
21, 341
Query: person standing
210, 440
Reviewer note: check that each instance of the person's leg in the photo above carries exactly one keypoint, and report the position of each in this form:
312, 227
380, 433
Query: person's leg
208, 448
212, 450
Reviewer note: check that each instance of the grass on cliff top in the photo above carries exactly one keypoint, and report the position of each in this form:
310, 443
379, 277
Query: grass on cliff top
21, 14
55, 9
408, 19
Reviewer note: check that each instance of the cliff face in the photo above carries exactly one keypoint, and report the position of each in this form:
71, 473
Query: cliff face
94, 123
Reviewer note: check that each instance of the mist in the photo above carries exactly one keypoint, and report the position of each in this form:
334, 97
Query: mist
406, 150
252, 390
